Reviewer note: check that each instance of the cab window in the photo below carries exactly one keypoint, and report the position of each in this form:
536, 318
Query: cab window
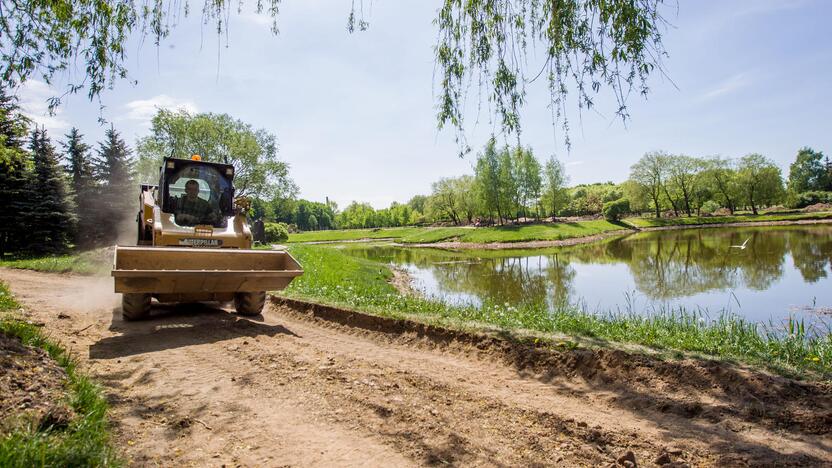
199, 194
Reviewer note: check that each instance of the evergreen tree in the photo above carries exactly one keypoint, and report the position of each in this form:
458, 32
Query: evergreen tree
13, 175
828, 165
80, 170
52, 219
114, 170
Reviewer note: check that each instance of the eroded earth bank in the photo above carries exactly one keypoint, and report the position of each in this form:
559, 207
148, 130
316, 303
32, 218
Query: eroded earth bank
307, 385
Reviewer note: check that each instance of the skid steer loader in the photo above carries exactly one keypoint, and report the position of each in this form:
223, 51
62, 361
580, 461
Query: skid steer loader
194, 245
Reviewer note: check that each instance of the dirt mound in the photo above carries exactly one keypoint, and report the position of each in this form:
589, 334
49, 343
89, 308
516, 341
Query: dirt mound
31, 387
690, 388
818, 208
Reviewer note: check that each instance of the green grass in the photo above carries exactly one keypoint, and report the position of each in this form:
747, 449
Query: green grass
531, 232
333, 277
424, 235
438, 234
87, 263
352, 234
682, 221
86, 440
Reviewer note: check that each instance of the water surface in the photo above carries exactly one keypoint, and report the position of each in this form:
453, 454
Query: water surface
783, 271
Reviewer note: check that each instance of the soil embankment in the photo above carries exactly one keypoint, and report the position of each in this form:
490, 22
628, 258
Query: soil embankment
310, 385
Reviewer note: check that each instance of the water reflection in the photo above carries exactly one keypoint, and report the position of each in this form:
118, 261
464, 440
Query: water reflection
781, 269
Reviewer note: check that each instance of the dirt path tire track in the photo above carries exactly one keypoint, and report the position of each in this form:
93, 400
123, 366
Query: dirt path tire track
310, 385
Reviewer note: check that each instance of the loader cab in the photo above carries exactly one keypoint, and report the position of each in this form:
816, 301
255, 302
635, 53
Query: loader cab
197, 192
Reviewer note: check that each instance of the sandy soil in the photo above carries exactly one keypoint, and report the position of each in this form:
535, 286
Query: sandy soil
314, 386
402, 281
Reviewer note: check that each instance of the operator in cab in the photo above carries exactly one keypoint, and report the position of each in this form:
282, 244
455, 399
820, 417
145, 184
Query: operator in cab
191, 210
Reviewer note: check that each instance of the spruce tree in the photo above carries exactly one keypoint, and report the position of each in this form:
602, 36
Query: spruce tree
114, 169
80, 170
14, 174
52, 218
828, 165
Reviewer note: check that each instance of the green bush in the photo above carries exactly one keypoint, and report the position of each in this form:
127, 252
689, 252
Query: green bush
615, 209
276, 232
804, 199
709, 207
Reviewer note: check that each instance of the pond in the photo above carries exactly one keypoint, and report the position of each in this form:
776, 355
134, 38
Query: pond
783, 271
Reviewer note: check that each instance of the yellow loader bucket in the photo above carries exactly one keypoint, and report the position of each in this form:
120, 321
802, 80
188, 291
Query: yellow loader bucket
172, 270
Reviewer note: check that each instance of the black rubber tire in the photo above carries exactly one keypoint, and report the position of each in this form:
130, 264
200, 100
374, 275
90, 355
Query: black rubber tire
135, 306
250, 303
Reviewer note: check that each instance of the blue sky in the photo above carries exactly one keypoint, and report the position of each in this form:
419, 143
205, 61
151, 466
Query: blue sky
355, 114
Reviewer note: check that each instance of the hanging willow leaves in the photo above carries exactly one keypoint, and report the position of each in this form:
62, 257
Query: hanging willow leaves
84, 41
503, 45
579, 45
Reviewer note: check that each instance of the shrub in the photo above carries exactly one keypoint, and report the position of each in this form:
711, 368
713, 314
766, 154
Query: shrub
615, 209
276, 232
709, 207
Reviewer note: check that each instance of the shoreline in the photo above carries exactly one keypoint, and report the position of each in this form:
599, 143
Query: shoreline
538, 244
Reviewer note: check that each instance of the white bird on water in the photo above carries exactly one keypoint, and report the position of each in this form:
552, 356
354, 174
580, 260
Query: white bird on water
742, 247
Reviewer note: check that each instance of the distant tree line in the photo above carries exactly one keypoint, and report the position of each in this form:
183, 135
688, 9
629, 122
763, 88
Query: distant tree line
304, 215
52, 199
688, 185
510, 184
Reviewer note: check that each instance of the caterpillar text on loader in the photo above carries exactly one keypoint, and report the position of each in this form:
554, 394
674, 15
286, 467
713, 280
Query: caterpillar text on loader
194, 245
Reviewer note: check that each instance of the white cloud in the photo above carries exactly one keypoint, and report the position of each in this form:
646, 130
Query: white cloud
573, 163
143, 110
34, 96
730, 85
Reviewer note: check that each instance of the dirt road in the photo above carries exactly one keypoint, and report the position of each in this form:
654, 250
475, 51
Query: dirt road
310, 386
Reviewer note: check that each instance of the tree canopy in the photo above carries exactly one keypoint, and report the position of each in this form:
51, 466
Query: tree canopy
217, 138
809, 172
579, 46
50, 220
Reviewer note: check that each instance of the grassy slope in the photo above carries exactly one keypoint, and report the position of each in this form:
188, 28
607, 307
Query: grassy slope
532, 232
336, 278
352, 234
416, 235
85, 442
653, 222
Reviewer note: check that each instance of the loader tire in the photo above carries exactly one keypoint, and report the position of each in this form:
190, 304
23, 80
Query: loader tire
250, 303
135, 306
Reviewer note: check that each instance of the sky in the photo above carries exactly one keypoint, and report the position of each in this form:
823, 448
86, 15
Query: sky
355, 114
